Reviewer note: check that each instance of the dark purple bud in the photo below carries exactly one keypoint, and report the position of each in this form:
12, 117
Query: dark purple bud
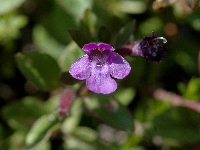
150, 48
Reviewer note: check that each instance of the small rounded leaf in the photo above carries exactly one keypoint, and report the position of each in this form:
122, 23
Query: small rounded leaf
41, 69
40, 129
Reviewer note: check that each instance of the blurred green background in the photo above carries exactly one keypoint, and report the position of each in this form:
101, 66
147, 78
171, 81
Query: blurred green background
156, 107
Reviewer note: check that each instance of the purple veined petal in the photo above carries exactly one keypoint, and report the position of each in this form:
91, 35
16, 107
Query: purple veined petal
104, 46
89, 47
80, 69
119, 67
101, 83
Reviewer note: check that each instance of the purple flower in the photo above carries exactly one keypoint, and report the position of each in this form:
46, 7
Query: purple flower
151, 50
99, 66
148, 47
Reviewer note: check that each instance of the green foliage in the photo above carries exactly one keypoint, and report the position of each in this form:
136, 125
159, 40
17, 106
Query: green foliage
10, 26
71, 53
40, 129
191, 91
26, 115
89, 25
8, 5
118, 118
178, 123
125, 33
45, 43
75, 7
110, 111
79, 37
44, 76
58, 22
104, 35
125, 95
39, 40
193, 20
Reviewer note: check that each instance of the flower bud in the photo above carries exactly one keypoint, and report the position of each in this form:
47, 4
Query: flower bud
148, 47
65, 103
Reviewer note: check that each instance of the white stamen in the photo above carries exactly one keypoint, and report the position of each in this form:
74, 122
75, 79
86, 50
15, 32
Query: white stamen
162, 38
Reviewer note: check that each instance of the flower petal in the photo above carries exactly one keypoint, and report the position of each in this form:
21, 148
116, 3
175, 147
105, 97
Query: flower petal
119, 67
101, 83
80, 69
104, 46
89, 47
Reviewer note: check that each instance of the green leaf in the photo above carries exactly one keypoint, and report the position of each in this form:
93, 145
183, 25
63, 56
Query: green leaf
132, 142
147, 111
52, 103
110, 111
28, 110
179, 123
125, 95
46, 43
182, 88
40, 129
5, 132
17, 142
104, 35
67, 79
193, 19
8, 5
43, 145
151, 24
86, 134
193, 88
75, 7
132, 7
79, 37
10, 26
118, 118
5, 144
89, 25
41, 69
57, 23
73, 143
125, 33
69, 55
